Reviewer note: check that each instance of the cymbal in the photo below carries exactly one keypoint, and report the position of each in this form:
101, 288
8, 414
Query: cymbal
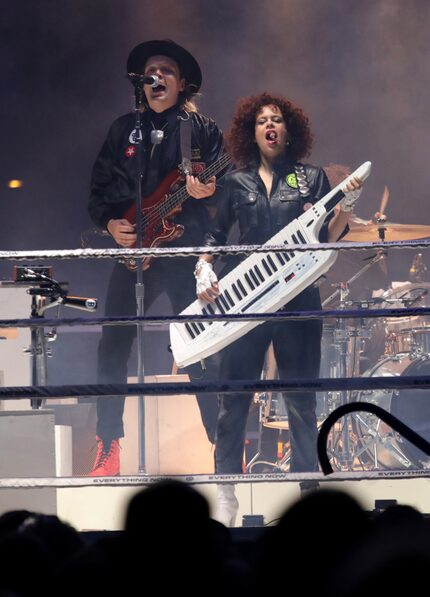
361, 231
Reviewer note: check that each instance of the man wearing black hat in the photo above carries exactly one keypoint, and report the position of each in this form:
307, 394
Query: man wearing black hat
168, 106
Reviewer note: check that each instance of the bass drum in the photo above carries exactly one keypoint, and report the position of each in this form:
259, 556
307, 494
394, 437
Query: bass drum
385, 447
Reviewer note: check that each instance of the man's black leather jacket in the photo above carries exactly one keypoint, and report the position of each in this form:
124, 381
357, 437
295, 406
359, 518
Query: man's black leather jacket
114, 175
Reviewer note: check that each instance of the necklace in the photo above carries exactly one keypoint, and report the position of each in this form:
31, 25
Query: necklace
157, 135
156, 131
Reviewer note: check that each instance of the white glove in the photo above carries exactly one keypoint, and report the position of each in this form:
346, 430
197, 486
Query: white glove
204, 275
350, 199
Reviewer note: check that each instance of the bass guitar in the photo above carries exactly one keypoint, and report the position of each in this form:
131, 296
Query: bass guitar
159, 208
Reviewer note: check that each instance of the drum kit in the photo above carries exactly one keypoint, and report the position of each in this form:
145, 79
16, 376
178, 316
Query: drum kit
387, 346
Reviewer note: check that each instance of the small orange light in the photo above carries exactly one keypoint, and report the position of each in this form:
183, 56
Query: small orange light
15, 184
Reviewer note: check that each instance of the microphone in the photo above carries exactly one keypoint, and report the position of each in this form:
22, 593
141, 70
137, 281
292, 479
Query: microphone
86, 304
138, 79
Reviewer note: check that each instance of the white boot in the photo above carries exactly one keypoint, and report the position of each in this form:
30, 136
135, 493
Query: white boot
226, 505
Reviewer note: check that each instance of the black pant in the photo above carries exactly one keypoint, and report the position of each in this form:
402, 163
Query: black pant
175, 277
297, 347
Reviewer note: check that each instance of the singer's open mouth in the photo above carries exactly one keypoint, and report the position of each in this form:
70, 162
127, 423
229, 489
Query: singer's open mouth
159, 88
271, 136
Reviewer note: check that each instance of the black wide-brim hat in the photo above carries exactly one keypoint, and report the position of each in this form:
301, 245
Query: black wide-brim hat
188, 65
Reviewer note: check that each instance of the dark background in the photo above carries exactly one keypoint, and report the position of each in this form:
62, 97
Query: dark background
359, 68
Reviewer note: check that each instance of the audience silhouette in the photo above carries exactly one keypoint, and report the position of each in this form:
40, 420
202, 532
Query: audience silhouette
325, 543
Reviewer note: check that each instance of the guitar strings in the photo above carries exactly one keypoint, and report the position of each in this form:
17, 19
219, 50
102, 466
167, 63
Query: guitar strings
182, 194
158, 212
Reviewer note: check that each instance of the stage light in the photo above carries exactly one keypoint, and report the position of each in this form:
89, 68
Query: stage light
15, 184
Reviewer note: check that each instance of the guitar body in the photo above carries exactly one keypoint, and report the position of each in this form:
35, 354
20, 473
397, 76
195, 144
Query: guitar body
159, 208
158, 225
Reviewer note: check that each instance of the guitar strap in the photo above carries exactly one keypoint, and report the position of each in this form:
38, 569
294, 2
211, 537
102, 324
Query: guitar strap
185, 136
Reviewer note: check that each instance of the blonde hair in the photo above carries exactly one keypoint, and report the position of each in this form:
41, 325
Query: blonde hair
190, 106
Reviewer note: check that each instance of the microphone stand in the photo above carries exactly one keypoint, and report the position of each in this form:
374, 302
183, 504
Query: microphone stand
140, 290
46, 293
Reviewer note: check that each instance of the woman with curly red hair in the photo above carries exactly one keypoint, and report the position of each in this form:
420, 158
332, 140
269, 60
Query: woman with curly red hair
241, 136
267, 138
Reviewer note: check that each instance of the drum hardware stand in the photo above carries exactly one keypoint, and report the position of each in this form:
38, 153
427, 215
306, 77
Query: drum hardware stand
381, 228
258, 400
262, 400
340, 368
341, 337
376, 439
345, 366
379, 256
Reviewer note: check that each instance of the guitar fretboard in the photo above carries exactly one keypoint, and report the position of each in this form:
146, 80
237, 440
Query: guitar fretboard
162, 210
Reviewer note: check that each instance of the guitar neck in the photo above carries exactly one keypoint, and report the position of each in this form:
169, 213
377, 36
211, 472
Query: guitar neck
177, 198
215, 168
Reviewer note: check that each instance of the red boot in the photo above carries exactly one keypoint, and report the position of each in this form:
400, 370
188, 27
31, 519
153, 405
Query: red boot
107, 459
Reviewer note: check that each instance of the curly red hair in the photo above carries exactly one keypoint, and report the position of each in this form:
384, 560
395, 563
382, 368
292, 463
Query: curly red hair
240, 138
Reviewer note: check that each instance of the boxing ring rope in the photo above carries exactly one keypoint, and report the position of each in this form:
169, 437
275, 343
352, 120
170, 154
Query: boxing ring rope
279, 315
204, 479
163, 389
420, 382
195, 251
